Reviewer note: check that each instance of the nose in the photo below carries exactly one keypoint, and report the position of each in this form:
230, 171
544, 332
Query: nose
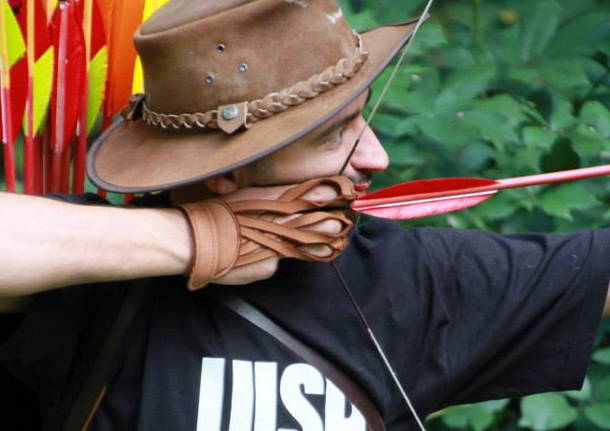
369, 154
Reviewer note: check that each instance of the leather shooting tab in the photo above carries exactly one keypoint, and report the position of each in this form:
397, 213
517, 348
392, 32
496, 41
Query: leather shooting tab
233, 117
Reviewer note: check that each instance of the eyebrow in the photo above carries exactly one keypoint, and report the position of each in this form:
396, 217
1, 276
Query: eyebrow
342, 120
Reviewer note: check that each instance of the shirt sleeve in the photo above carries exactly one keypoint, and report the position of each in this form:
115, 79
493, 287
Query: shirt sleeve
58, 332
522, 310
467, 316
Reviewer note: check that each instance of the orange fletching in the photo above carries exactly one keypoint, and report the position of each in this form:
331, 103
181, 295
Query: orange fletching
126, 17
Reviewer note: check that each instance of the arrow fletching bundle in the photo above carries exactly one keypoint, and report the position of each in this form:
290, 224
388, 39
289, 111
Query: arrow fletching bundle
54, 67
422, 198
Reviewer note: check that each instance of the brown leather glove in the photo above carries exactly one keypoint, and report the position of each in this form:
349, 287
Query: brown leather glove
233, 234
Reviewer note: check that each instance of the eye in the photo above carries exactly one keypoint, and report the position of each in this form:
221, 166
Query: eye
337, 134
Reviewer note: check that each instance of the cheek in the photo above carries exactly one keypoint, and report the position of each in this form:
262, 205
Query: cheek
315, 162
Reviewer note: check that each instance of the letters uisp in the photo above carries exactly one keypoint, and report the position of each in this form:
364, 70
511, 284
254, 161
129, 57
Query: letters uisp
259, 394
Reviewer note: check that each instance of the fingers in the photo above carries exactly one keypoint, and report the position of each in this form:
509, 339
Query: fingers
321, 193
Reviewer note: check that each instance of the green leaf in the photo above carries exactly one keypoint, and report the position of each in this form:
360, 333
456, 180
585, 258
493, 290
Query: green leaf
597, 117
539, 137
475, 156
562, 112
397, 92
599, 414
546, 412
583, 394
362, 20
462, 86
497, 208
425, 85
507, 106
472, 416
403, 154
447, 129
602, 356
561, 200
580, 36
97, 82
490, 126
494, 405
540, 26
385, 123
565, 73
431, 35
602, 390
586, 144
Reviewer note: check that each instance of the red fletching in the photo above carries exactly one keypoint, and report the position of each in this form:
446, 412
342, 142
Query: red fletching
15, 100
68, 87
32, 18
422, 198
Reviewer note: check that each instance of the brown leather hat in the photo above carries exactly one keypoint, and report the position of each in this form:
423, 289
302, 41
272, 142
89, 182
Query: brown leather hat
228, 82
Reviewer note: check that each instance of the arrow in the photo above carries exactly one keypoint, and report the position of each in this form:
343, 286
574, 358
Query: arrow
40, 57
68, 86
13, 89
422, 198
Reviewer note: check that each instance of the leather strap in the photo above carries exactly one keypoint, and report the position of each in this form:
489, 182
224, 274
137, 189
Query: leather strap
351, 390
230, 234
93, 390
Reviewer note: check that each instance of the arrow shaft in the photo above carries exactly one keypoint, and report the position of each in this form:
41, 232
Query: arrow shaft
554, 177
525, 181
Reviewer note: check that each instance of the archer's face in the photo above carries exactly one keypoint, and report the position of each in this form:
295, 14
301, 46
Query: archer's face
323, 152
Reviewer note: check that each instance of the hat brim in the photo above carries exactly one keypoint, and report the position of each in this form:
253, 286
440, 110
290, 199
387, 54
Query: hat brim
133, 157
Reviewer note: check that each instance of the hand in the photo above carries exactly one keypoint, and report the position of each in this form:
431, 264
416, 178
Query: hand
265, 269
239, 238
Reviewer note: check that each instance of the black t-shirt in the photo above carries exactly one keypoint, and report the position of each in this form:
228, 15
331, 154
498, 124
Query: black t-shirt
462, 315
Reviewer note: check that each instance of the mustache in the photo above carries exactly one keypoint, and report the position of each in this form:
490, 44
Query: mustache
360, 177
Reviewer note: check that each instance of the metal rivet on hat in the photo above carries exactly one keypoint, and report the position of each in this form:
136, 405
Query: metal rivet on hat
230, 112
221, 47
209, 79
242, 67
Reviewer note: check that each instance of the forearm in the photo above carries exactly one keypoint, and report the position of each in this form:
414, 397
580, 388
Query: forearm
48, 244
607, 307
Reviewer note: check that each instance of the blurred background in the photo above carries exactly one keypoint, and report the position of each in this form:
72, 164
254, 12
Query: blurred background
491, 88
502, 88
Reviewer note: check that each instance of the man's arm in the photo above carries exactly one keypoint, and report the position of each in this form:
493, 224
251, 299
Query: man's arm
48, 244
607, 307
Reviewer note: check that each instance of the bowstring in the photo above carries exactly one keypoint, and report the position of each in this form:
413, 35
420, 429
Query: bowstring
363, 320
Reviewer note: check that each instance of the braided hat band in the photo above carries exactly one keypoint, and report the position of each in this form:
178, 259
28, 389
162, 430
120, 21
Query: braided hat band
237, 116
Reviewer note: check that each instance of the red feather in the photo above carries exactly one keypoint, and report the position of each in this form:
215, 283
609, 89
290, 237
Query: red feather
422, 198
68, 87
32, 162
16, 95
13, 92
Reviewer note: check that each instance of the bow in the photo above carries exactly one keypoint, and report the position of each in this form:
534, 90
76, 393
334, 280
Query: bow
365, 325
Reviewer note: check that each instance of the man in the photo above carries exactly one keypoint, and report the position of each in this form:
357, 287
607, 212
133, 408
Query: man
462, 316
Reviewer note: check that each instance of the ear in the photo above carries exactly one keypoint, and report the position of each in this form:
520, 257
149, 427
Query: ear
222, 184
212, 187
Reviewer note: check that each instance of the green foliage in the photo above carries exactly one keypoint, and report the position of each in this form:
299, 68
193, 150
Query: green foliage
502, 88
